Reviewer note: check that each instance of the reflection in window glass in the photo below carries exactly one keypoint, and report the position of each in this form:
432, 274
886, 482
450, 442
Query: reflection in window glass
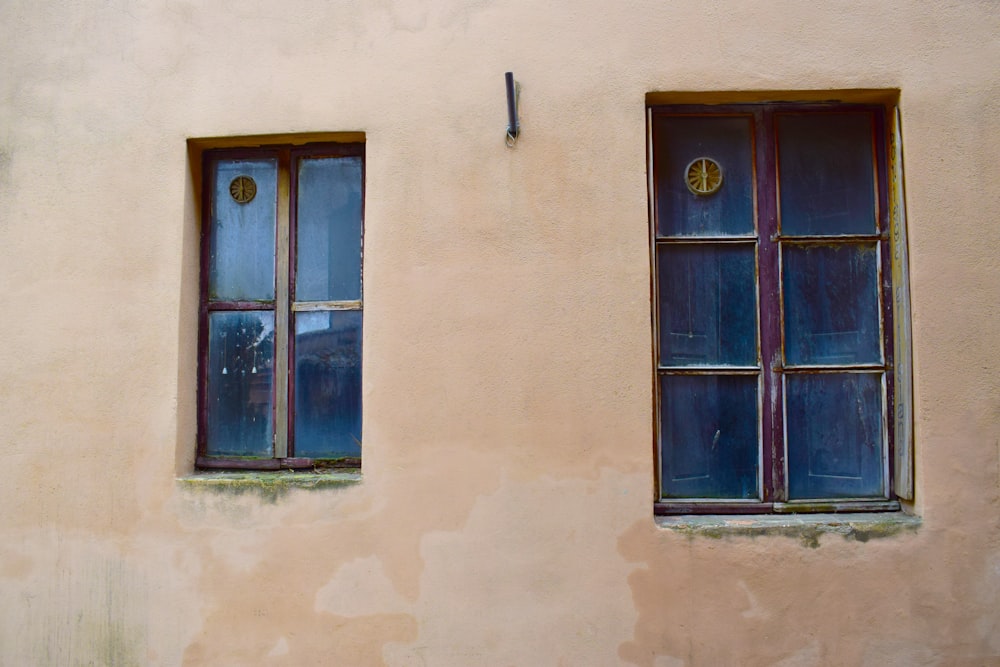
708, 305
328, 384
831, 304
709, 436
834, 423
328, 243
241, 258
826, 173
679, 140
240, 380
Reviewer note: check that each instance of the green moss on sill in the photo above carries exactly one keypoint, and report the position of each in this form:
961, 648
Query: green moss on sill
805, 527
268, 485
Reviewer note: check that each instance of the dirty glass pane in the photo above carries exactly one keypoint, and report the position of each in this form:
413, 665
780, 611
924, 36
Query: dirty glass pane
241, 236
708, 436
240, 381
328, 264
834, 426
328, 384
708, 307
831, 304
826, 173
678, 141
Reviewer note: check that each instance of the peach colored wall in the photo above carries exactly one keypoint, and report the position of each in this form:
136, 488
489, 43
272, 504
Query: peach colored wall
505, 513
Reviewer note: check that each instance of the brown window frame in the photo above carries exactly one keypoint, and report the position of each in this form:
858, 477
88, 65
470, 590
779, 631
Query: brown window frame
771, 474
284, 306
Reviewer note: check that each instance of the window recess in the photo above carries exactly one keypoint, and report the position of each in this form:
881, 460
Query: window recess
281, 307
775, 256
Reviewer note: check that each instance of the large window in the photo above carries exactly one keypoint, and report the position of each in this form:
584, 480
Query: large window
773, 305
281, 307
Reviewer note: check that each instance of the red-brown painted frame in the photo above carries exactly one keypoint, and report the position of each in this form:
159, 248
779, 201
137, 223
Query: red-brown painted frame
286, 156
769, 295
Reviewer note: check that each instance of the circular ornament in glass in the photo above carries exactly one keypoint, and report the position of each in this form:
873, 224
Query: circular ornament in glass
243, 189
703, 176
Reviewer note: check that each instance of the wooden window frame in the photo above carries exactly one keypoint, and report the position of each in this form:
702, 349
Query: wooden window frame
284, 306
893, 296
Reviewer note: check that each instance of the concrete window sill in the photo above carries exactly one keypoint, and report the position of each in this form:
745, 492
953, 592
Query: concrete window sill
809, 528
268, 484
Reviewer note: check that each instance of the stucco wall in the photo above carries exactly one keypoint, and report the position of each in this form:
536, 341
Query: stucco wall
505, 512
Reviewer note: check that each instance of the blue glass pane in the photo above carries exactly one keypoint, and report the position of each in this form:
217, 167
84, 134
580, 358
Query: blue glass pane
328, 241
677, 142
708, 436
328, 384
241, 250
834, 427
240, 380
831, 304
826, 171
708, 307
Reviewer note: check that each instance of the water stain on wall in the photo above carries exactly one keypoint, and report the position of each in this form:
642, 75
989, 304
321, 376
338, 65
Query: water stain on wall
702, 599
289, 569
91, 610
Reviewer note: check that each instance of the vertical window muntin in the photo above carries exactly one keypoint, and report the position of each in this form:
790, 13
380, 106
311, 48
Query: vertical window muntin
770, 248
281, 450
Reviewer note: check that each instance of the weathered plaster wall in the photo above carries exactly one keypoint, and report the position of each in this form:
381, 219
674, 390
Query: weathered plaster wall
505, 513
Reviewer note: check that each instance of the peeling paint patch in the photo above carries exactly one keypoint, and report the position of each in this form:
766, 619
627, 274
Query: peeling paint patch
754, 609
668, 661
360, 588
507, 587
808, 656
280, 648
685, 588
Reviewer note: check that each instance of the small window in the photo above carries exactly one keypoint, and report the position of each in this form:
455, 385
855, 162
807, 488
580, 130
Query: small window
281, 307
773, 308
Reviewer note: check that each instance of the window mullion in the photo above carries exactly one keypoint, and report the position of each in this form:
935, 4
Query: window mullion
769, 273
282, 308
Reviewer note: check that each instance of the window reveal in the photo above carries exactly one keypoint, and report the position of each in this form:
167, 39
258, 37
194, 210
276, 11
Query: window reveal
281, 307
773, 310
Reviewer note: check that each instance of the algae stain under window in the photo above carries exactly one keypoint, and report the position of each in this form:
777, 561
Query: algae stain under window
268, 486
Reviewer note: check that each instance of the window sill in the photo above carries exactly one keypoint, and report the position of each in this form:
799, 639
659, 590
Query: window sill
807, 527
268, 484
